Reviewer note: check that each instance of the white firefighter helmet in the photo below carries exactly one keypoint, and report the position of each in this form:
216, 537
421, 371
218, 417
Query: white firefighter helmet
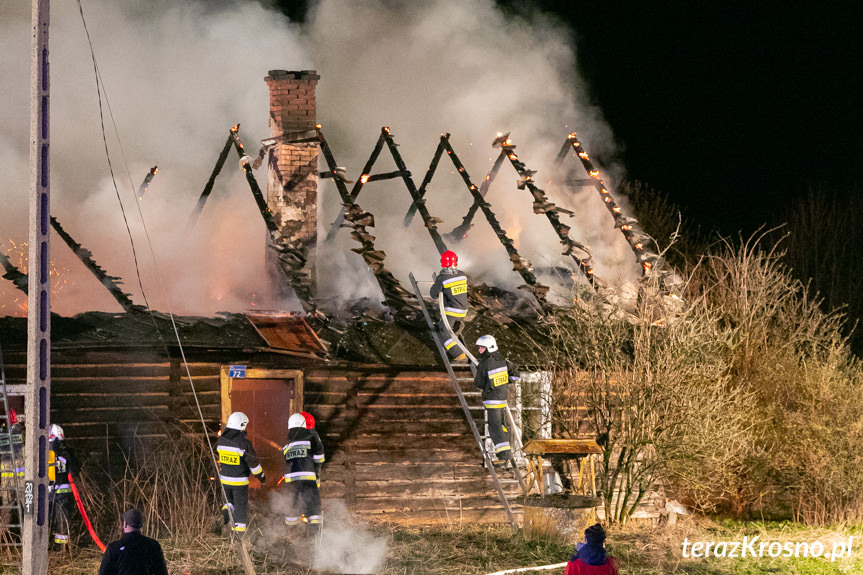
488, 342
55, 432
297, 420
237, 420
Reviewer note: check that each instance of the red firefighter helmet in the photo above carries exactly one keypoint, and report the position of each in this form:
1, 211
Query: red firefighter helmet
310, 419
448, 259
13, 417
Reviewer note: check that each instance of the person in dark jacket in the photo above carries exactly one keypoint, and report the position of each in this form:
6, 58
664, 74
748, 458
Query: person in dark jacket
590, 557
237, 460
493, 374
452, 283
304, 455
134, 553
62, 461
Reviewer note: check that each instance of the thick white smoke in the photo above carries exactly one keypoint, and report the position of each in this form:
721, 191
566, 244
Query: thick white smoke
178, 75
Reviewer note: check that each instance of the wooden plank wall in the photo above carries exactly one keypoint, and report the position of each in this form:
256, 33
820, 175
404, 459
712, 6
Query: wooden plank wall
399, 447
397, 443
111, 404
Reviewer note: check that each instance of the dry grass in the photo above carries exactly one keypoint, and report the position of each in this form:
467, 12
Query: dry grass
482, 549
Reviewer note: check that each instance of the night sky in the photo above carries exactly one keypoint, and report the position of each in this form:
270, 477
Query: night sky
731, 109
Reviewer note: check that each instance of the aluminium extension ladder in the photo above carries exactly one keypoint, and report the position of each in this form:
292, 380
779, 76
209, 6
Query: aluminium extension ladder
11, 511
481, 439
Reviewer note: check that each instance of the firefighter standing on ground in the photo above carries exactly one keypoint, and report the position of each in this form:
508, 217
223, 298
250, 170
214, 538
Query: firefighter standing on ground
304, 454
61, 462
452, 282
12, 459
237, 460
493, 374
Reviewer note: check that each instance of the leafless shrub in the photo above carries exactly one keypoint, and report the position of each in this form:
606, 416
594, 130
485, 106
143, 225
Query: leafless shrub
741, 397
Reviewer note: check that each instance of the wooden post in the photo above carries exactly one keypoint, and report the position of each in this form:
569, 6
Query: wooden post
36, 520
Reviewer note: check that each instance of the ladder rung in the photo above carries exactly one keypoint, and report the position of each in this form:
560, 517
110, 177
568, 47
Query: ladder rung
471, 393
464, 379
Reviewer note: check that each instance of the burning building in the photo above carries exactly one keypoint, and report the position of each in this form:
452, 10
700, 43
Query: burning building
398, 446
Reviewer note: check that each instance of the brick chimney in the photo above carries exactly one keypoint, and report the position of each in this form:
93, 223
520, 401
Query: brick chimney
292, 183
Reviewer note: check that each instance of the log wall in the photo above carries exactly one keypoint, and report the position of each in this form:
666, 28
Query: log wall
400, 449
397, 444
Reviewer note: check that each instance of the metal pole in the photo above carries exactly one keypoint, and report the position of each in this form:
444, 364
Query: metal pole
36, 518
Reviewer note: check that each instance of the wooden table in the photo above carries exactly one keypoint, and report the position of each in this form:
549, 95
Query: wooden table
583, 450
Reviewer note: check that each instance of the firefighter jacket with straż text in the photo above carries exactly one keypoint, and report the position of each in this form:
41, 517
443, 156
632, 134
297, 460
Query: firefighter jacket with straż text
237, 459
62, 461
12, 456
304, 453
493, 373
453, 283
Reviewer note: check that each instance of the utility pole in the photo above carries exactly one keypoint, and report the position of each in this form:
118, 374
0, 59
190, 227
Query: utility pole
36, 520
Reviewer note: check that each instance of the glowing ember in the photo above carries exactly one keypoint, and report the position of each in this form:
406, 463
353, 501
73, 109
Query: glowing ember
18, 255
364, 178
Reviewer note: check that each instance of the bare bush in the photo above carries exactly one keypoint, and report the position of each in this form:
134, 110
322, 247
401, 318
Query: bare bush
743, 397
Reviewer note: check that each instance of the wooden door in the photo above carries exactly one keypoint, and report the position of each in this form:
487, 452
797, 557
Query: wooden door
268, 398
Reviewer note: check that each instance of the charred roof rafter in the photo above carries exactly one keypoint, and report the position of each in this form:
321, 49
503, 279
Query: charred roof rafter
395, 296
628, 226
292, 259
541, 205
418, 204
519, 264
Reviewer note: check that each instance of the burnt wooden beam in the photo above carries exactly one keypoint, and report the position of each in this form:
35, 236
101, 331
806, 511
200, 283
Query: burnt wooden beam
142, 189
110, 282
292, 259
638, 241
429, 222
519, 264
13, 274
208, 188
460, 232
398, 299
541, 205
412, 210
355, 191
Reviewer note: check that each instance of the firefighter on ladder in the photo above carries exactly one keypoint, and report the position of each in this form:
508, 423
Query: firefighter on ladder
452, 282
237, 460
493, 374
61, 461
304, 454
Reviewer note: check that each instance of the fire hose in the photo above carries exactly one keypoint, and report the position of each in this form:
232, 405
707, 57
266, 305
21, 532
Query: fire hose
526, 569
89, 525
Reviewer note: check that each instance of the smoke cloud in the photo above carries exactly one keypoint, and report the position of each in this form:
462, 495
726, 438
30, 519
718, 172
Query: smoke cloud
179, 75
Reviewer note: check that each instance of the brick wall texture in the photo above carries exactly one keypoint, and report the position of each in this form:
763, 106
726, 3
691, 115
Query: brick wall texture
292, 186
